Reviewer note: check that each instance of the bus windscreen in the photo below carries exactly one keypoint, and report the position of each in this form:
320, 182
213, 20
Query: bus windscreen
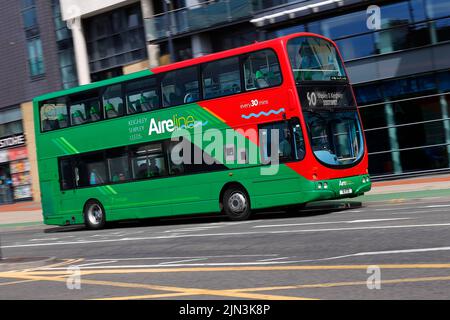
314, 59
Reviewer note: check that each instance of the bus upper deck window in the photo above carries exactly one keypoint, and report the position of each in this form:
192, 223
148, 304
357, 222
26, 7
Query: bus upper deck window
261, 70
113, 101
54, 115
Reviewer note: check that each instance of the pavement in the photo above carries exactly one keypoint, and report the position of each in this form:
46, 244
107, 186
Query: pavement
28, 214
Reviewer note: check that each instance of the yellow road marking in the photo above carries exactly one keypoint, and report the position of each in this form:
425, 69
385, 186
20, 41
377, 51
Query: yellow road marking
342, 284
15, 282
246, 268
60, 276
190, 291
149, 296
226, 293
55, 265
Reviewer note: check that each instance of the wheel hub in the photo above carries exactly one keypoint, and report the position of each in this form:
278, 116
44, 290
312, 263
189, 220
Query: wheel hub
237, 203
95, 214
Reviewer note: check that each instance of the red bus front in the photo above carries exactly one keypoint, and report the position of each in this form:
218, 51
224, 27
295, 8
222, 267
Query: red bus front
336, 150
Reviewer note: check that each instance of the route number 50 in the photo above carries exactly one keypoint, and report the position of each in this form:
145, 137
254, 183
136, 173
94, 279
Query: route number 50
312, 99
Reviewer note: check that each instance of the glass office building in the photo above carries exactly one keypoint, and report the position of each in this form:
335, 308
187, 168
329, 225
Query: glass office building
405, 118
396, 56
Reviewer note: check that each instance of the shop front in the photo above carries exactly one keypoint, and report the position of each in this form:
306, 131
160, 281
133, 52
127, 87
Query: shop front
15, 179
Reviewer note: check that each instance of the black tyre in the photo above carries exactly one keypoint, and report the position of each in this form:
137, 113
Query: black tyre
236, 204
94, 215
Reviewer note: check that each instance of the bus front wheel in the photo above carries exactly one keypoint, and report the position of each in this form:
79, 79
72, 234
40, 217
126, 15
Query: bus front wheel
94, 215
236, 204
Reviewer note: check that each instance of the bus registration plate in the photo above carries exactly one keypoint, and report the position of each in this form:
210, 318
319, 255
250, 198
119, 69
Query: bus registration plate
346, 191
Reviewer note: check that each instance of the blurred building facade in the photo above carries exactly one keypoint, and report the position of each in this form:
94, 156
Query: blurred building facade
398, 63
36, 57
40, 53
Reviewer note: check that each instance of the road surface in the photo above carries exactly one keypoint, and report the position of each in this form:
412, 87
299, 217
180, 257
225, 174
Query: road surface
330, 250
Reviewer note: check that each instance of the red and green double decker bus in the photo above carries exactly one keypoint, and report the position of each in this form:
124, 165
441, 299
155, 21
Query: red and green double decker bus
106, 151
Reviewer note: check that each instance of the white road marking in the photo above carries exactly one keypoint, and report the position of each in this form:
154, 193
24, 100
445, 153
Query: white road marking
274, 259
228, 234
420, 211
328, 222
259, 262
178, 261
95, 263
219, 264
373, 253
198, 257
200, 228
378, 220
416, 207
44, 239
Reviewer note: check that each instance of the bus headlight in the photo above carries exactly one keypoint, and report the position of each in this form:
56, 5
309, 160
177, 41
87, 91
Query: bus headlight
325, 185
319, 185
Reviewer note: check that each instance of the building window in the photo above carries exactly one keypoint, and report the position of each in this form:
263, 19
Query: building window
437, 8
65, 49
11, 122
29, 17
11, 128
115, 38
34, 45
404, 25
358, 46
405, 122
35, 57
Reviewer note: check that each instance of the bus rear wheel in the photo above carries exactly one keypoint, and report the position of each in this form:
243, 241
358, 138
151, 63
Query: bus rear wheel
94, 215
236, 204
